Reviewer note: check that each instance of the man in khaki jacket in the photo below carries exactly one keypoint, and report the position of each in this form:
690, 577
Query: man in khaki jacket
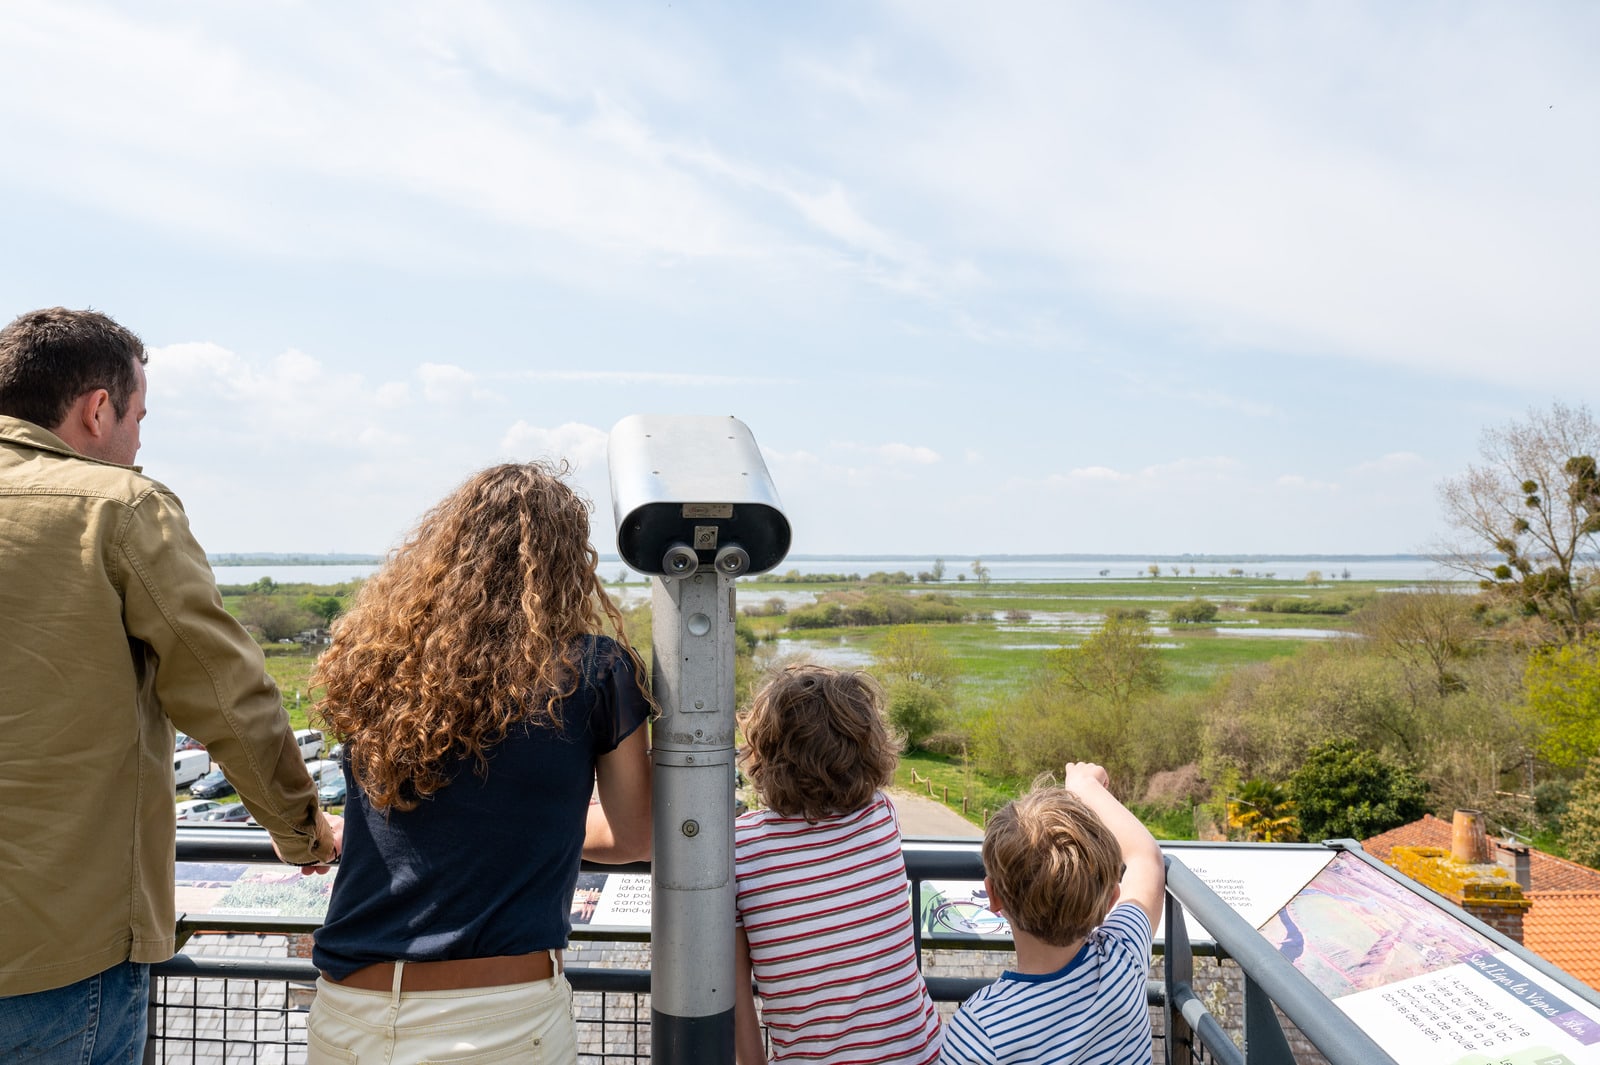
111, 632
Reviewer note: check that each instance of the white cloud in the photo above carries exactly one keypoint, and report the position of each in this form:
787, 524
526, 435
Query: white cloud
1300, 483
653, 377
443, 383
393, 394
1096, 473
903, 453
1212, 467
582, 445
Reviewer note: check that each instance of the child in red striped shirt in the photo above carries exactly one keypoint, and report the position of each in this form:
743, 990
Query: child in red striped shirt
823, 911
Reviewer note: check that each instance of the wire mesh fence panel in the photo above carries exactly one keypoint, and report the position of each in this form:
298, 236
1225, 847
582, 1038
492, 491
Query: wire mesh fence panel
205, 1021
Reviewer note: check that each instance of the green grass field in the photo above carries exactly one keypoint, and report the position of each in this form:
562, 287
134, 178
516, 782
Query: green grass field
999, 650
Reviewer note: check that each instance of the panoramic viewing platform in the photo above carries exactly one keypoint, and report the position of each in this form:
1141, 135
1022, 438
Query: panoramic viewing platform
1245, 708
1159, 621
1266, 953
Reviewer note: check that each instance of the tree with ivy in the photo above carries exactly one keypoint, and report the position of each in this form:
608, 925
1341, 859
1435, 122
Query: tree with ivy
1528, 515
1561, 689
1345, 791
1580, 823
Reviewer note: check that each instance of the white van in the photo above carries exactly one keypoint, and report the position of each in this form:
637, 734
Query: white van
189, 766
309, 740
323, 771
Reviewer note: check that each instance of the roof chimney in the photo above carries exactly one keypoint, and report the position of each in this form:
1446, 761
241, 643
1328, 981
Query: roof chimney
1469, 844
1517, 857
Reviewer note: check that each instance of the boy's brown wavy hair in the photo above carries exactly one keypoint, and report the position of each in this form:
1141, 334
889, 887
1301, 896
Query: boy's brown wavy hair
815, 742
472, 624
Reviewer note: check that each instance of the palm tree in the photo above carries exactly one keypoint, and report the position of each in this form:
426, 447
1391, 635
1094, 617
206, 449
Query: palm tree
1264, 812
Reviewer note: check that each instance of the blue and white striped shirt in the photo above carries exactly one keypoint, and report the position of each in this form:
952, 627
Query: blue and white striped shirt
1093, 1011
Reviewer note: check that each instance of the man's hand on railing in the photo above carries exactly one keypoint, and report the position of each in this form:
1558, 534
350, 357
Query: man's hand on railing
329, 827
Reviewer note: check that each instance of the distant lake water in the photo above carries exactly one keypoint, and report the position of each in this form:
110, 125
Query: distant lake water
1000, 569
292, 574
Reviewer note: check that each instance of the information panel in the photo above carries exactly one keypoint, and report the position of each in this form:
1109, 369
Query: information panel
1427, 988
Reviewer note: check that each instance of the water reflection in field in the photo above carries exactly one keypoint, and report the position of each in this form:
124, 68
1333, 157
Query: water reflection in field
838, 653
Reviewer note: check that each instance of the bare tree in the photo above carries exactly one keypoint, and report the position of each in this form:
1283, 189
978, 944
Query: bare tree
1427, 630
1527, 516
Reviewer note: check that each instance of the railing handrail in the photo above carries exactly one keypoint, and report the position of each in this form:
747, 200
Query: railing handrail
1270, 978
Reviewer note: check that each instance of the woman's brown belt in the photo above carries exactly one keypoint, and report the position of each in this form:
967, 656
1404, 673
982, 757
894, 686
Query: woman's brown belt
453, 974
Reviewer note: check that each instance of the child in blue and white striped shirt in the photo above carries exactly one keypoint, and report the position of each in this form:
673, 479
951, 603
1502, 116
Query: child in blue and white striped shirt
1081, 881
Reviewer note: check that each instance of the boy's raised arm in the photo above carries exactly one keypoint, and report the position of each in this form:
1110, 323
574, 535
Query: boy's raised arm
1145, 880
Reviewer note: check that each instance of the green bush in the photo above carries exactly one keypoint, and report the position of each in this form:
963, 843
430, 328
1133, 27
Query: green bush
1127, 613
916, 711
1345, 791
1195, 612
877, 606
1295, 604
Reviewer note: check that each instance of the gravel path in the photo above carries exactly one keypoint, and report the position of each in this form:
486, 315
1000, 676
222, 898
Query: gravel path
922, 817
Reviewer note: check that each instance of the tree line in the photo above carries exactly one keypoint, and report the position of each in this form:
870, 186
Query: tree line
1488, 700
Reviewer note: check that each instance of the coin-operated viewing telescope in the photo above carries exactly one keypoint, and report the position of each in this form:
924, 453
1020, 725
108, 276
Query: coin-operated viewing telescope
694, 509
692, 491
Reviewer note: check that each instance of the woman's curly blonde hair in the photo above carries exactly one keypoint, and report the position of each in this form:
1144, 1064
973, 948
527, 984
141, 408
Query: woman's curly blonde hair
472, 624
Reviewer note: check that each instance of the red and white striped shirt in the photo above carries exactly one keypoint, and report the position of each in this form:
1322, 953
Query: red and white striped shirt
826, 909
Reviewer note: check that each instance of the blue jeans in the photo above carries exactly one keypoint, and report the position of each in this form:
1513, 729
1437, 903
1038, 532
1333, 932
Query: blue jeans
98, 1021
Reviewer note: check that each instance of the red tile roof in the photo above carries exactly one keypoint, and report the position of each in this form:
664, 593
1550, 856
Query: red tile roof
1563, 925
1428, 832
1546, 872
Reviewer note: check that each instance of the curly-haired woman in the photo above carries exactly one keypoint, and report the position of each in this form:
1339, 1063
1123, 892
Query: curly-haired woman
480, 707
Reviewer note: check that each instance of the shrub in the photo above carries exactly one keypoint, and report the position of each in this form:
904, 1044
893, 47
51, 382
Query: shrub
950, 742
1195, 611
915, 710
877, 606
1295, 604
1171, 789
1347, 791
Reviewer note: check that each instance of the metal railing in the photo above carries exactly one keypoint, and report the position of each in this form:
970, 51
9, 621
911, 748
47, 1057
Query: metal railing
225, 1010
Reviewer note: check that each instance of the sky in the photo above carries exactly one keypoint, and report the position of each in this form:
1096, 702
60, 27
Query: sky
998, 278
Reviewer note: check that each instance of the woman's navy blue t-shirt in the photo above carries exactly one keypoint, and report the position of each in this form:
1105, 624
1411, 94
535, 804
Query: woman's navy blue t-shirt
486, 865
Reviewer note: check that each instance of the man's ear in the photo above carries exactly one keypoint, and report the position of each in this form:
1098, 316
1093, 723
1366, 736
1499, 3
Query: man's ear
87, 420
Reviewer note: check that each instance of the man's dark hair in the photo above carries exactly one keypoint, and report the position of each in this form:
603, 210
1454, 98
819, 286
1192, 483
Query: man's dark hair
50, 357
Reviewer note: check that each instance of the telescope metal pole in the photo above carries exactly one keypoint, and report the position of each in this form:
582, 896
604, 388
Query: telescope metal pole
691, 913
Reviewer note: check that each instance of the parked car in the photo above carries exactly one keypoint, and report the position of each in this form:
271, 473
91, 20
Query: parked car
188, 767
196, 809
333, 792
324, 771
212, 786
228, 811
309, 740
182, 742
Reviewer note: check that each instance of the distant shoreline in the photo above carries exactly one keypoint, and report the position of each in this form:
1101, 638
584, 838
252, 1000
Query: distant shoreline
265, 558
